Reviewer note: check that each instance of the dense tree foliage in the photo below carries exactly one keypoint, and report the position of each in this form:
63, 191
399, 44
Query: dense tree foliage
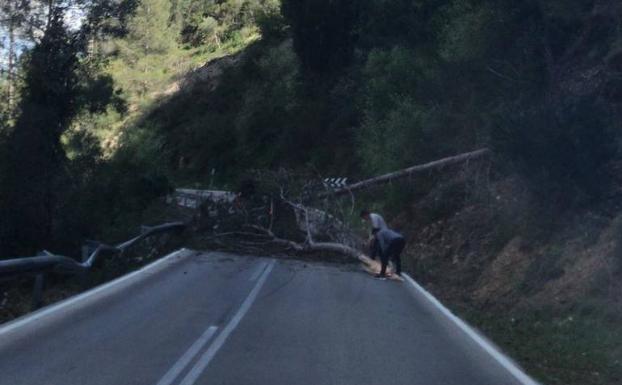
344, 87
35, 155
58, 83
84, 67
529, 78
107, 104
214, 21
399, 82
323, 31
15, 20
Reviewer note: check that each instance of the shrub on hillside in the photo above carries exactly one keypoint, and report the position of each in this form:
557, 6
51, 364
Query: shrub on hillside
565, 153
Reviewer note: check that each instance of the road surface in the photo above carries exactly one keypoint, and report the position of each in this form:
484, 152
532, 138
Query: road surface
211, 318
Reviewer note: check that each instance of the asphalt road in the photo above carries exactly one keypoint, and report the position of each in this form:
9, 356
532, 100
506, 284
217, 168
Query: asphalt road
220, 319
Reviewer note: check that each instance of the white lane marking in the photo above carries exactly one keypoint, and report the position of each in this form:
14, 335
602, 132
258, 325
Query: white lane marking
181, 364
257, 272
81, 297
200, 366
501, 358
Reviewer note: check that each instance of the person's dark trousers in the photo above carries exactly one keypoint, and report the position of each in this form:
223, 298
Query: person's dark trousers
394, 252
375, 248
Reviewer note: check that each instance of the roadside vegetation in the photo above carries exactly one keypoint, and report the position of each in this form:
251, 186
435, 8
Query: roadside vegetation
559, 347
105, 116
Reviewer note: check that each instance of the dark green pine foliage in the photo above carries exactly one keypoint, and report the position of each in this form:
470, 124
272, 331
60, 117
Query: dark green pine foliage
324, 32
35, 169
35, 155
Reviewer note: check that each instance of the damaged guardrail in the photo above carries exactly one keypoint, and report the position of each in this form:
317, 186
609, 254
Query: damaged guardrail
47, 262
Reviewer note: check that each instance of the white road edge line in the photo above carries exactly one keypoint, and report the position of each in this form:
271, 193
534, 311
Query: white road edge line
80, 297
501, 358
181, 364
257, 272
207, 357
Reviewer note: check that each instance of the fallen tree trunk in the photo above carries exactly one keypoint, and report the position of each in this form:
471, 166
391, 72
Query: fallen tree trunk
407, 172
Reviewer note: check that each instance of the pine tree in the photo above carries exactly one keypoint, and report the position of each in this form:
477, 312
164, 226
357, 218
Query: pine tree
14, 18
150, 31
57, 85
35, 155
324, 32
143, 54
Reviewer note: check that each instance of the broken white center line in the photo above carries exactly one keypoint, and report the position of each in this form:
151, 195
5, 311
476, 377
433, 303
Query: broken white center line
207, 357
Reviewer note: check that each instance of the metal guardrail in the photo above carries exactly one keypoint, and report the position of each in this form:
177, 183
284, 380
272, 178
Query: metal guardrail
192, 198
47, 262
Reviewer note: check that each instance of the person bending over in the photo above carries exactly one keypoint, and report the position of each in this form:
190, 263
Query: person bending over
377, 223
390, 244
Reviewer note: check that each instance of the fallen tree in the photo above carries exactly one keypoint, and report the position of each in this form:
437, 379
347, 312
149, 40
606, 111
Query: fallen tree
309, 245
273, 223
386, 178
279, 217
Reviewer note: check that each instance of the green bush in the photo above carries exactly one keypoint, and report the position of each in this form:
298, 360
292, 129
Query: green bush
563, 152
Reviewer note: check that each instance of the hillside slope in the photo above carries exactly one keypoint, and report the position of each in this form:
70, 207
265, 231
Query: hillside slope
550, 293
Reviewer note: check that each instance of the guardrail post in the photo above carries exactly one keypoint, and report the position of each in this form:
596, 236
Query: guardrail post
86, 252
37, 291
87, 248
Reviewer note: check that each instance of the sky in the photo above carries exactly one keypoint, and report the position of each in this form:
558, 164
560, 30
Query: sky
74, 18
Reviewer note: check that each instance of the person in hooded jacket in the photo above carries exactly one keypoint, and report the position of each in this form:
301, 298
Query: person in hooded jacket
377, 223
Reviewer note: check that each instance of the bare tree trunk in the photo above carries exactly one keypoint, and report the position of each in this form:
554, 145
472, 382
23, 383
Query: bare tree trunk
50, 12
408, 171
11, 65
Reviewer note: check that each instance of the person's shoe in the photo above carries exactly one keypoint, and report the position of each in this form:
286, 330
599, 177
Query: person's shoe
381, 277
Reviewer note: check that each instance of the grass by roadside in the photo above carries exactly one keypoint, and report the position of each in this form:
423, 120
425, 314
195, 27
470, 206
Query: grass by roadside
569, 348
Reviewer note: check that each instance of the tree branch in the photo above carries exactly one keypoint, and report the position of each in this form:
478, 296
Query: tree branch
311, 246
